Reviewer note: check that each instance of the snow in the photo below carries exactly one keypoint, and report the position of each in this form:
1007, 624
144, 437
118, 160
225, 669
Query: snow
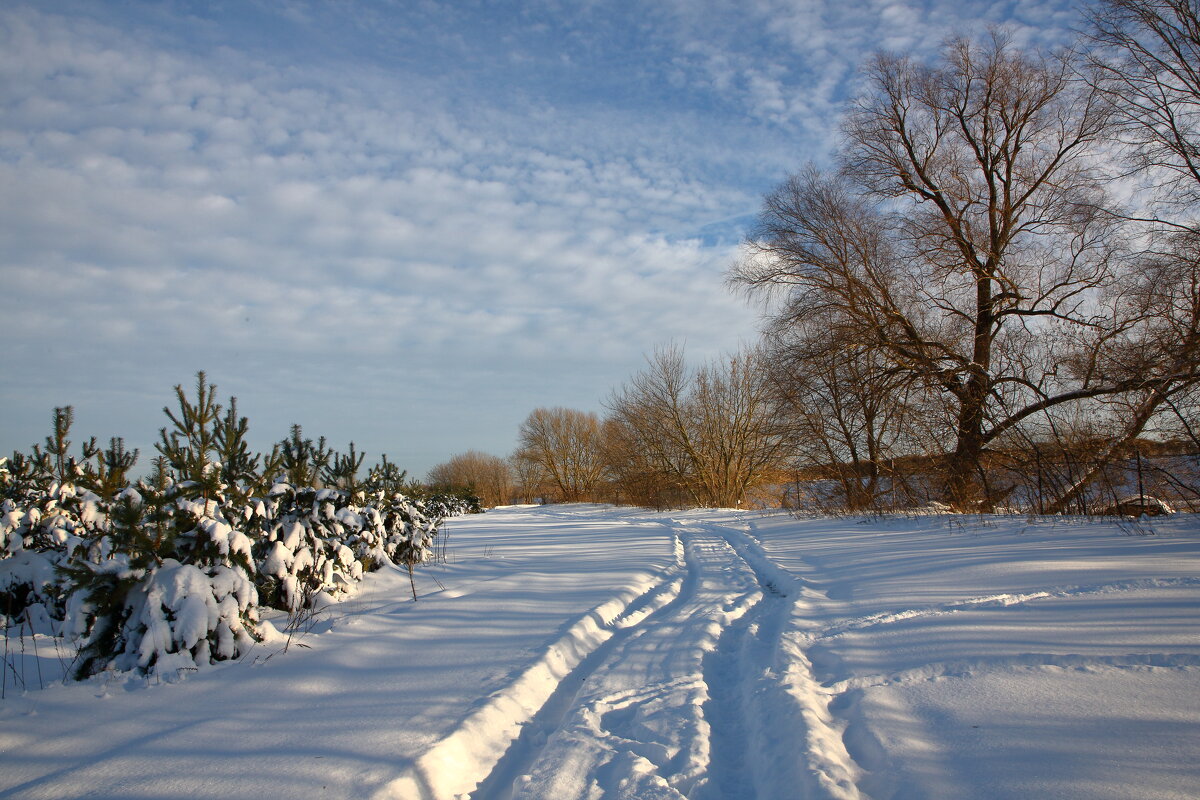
25, 567
586, 651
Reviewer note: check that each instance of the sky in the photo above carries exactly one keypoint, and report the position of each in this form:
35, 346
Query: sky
403, 224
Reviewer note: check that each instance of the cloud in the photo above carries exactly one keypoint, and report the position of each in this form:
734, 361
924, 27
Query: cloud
179, 214
794, 62
376, 221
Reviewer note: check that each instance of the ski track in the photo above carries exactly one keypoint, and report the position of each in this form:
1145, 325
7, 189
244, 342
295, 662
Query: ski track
700, 687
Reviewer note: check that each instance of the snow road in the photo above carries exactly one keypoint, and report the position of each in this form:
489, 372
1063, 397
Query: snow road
588, 652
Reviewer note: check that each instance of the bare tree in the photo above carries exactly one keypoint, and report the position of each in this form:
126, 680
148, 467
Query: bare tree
965, 239
846, 412
1146, 62
530, 482
710, 431
634, 475
488, 476
566, 445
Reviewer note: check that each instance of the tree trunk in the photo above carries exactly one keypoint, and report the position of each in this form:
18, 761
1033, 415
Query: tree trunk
962, 484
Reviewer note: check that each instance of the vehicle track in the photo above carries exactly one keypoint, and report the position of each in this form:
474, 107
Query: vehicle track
691, 704
637, 725
699, 689
498, 785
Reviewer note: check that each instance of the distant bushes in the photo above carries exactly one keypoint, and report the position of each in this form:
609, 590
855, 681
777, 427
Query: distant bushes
170, 571
674, 436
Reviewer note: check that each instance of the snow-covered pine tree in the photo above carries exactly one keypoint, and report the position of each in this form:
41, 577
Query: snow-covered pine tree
41, 525
342, 473
110, 472
453, 504
46, 514
417, 546
402, 532
173, 587
385, 479
304, 548
172, 591
302, 461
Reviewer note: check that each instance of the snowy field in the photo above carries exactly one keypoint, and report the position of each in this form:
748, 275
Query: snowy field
586, 652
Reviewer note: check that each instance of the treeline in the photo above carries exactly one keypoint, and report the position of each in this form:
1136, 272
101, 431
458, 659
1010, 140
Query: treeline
673, 436
732, 434
169, 571
991, 299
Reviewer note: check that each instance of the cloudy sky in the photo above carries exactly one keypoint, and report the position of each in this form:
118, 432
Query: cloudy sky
404, 223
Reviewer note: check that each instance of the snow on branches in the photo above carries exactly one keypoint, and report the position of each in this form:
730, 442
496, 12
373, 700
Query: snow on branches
169, 572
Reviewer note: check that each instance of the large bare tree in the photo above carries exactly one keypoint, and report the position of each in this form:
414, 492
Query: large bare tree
965, 237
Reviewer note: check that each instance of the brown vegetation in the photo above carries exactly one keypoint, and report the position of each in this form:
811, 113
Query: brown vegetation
488, 477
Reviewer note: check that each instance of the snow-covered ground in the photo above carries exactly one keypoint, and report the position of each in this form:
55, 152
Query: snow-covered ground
586, 652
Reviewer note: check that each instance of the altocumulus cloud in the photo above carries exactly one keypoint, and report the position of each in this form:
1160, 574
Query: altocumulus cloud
317, 250
404, 252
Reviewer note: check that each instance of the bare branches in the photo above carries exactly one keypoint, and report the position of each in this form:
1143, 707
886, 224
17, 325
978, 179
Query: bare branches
846, 412
710, 432
966, 224
1145, 58
566, 444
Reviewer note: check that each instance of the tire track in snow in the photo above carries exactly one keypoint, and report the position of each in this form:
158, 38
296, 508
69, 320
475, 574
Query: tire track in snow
738, 675
711, 699
698, 688
499, 782
496, 736
801, 752
638, 728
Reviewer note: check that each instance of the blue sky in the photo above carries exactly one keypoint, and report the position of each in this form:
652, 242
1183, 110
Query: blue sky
406, 224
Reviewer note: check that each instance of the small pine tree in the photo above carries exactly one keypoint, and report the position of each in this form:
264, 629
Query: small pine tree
302, 461
342, 473
58, 446
110, 472
191, 445
47, 514
240, 473
173, 584
385, 479
23, 475
173, 590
